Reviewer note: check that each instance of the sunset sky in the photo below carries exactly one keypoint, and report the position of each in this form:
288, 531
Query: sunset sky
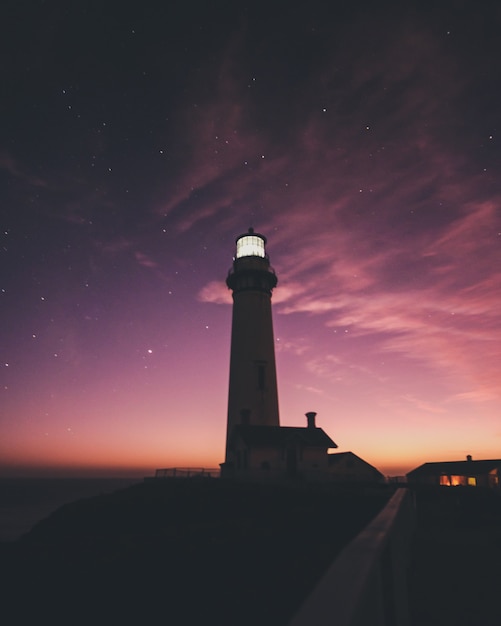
139, 139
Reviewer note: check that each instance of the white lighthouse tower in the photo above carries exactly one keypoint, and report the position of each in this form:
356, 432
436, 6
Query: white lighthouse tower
253, 397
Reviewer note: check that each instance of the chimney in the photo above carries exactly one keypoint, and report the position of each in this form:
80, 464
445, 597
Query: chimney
311, 419
468, 457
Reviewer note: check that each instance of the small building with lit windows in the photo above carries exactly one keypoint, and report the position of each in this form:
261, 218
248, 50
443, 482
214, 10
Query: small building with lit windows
484, 473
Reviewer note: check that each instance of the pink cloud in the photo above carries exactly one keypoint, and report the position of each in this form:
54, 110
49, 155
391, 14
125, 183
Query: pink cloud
145, 260
215, 292
374, 225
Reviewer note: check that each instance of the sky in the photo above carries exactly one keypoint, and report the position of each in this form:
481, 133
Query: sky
138, 140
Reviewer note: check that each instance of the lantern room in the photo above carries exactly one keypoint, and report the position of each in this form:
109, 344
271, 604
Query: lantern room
251, 244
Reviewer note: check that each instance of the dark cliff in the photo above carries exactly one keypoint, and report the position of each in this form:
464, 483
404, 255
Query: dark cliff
182, 552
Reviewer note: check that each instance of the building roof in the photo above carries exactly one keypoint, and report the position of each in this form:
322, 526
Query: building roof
335, 458
459, 468
264, 436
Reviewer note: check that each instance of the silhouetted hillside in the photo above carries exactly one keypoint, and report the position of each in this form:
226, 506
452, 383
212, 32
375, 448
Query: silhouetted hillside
182, 552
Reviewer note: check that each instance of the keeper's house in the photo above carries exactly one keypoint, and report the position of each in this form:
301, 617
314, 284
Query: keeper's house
470, 473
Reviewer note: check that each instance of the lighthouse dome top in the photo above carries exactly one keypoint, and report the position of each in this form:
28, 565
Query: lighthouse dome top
251, 244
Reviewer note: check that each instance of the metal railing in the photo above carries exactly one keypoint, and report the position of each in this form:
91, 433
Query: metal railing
367, 583
187, 472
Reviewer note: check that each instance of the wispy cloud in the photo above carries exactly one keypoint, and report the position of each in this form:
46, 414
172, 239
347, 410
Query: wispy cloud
17, 170
145, 260
215, 292
379, 223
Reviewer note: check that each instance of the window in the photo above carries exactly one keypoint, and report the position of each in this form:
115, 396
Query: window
472, 481
452, 481
260, 376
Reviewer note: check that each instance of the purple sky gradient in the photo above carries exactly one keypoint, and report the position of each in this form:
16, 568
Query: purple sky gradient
364, 142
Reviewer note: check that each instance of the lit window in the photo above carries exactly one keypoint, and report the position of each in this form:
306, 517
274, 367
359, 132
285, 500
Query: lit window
250, 245
472, 481
452, 481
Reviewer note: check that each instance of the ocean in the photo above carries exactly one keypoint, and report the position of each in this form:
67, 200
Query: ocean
26, 501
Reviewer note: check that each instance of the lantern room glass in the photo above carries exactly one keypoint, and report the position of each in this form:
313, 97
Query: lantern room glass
250, 245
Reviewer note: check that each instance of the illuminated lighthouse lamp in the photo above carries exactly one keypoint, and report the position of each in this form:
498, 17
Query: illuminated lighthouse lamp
251, 244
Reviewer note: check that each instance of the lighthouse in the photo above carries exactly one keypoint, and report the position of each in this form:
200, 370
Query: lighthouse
257, 447
253, 396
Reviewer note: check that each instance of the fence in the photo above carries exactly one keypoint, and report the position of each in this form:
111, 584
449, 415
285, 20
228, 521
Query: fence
187, 472
367, 584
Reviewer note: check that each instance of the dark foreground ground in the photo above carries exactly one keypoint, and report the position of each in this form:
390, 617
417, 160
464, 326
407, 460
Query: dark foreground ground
456, 574
181, 552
